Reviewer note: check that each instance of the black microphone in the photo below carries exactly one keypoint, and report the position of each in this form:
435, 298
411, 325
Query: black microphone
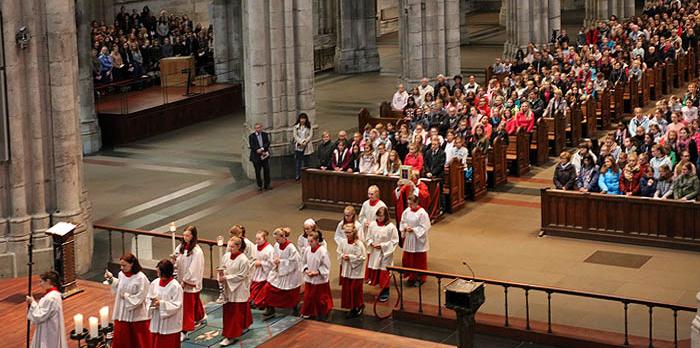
464, 262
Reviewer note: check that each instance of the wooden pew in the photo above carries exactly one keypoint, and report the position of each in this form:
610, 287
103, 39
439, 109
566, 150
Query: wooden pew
518, 153
679, 73
692, 64
556, 133
385, 110
329, 190
652, 222
479, 175
643, 91
602, 109
574, 130
454, 187
667, 77
496, 165
589, 118
539, 143
364, 118
653, 77
617, 102
630, 97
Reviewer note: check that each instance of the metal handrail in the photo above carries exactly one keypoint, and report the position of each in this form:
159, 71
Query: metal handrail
549, 290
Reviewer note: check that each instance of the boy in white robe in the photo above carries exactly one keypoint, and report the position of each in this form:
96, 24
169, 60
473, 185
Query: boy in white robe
382, 238
165, 296
369, 207
318, 300
261, 267
47, 314
415, 224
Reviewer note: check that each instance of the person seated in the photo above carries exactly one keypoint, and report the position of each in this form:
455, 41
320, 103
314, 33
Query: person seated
647, 184
609, 178
565, 173
393, 166
685, 158
631, 176
664, 183
687, 185
583, 150
340, 162
355, 158
587, 178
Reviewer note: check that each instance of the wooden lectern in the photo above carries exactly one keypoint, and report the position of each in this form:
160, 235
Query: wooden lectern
465, 298
64, 256
174, 71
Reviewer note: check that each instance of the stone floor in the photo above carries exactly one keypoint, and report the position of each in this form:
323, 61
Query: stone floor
194, 176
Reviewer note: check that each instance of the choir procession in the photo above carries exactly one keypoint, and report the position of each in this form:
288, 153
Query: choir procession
162, 312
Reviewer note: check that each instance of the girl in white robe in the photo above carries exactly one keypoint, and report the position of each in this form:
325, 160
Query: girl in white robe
349, 217
239, 231
382, 238
318, 300
47, 314
415, 225
236, 278
351, 255
303, 241
190, 272
261, 267
130, 311
165, 296
284, 281
369, 208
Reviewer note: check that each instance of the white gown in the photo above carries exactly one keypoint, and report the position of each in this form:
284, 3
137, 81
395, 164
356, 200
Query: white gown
47, 317
340, 232
286, 275
190, 268
388, 238
303, 243
354, 267
167, 319
316, 261
368, 213
416, 241
236, 278
130, 303
259, 274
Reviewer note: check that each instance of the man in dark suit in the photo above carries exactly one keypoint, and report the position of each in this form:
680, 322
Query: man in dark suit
259, 143
434, 163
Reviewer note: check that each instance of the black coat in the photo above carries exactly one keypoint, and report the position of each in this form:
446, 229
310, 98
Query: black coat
324, 153
565, 177
254, 145
434, 164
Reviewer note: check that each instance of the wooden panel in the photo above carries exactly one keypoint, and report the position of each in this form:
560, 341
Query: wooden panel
173, 71
478, 163
496, 164
385, 110
621, 219
667, 77
518, 153
575, 132
364, 118
539, 143
589, 118
603, 109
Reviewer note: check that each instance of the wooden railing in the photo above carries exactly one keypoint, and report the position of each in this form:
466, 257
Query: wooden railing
622, 219
625, 302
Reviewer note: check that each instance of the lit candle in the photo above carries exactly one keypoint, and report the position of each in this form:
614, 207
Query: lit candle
78, 320
220, 243
104, 316
93, 326
172, 233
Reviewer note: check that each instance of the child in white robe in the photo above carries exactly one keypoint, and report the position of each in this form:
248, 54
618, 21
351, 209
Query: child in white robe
130, 311
284, 280
189, 262
239, 231
382, 238
47, 314
302, 241
236, 278
369, 208
318, 300
261, 268
415, 225
349, 217
165, 296
352, 255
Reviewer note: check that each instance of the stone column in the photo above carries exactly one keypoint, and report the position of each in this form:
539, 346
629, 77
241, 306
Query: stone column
429, 39
503, 13
42, 182
89, 128
530, 21
695, 327
228, 43
278, 69
630, 10
554, 17
602, 10
464, 7
356, 46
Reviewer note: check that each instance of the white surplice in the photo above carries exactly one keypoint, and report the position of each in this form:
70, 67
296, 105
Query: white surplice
303, 243
130, 294
368, 213
287, 274
316, 261
419, 221
167, 319
190, 268
354, 266
260, 274
340, 232
47, 317
236, 278
387, 237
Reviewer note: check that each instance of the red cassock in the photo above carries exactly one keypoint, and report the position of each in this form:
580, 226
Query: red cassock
166, 341
401, 203
417, 261
378, 277
131, 334
274, 297
237, 318
257, 293
192, 310
351, 294
318, 300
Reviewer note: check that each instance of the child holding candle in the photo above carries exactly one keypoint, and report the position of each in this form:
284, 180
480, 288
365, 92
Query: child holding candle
261, 267
351, 254
236, 278
130, 312
190, 271
165, 297
318, 300
47, 314
284, 281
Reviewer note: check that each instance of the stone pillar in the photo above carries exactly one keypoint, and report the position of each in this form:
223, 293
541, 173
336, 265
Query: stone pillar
356, 46
279, 72
464, 8
42, 182
530, 21
503, 13
554, 17
429, 39
695, 327
89, 128
228, 43
602, 10
630, 10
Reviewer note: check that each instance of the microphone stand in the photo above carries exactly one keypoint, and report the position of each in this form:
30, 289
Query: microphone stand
30, 264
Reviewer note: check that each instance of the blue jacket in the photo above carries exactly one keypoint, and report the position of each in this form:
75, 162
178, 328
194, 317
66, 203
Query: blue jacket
609, 182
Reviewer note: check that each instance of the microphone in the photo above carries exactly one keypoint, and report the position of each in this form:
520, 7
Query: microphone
464, 262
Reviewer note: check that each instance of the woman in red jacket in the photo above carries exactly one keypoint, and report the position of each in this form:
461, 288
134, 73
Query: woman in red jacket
524, 118
414, 158
631, 175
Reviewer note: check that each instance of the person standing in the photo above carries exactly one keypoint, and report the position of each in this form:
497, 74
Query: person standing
303, 148
414, 226
318, 300
284, 281
235, 274
369, 208
261, 267
351, 254
130, 311
189, 261
259, 143
47, 314
165, 297
382, 238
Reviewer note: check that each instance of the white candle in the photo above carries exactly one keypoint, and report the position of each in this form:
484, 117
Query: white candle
220, 243
78, 321
92, 321
172, 233
104, 316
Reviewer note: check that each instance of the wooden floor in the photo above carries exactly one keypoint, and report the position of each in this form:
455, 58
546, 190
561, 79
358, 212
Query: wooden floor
131, 102
310, 333
13, 308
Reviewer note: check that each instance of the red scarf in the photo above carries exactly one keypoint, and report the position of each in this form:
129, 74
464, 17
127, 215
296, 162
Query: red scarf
261, 247
415, 209
313, 249
128, 274
284, 245
52, 289
373, 202
234, 255
380, 223
164, 283
351, 241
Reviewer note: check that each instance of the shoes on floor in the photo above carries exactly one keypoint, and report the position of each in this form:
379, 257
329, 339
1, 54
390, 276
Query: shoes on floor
269, 313
183, 336
384, 295
227, 342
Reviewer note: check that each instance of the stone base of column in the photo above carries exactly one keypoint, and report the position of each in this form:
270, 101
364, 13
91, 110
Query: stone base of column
356, 61
91, 136
509, 50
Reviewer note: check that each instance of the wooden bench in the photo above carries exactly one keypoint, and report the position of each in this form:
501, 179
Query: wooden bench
692, 64
602, 109
679, 74
454, 187
574, 130
616, 102
643, 91
630, 97
518, 153
539, 143
329, 190
653, 76
386, 111
667, 77
364, 118
621, 219
588, 118
496, 166
477, 161
556, 133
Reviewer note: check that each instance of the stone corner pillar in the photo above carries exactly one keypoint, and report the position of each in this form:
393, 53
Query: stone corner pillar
695, 326
89, 128
228, 43
356, 46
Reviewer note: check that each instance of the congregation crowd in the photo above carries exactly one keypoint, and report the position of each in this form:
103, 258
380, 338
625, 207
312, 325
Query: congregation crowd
134, 44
